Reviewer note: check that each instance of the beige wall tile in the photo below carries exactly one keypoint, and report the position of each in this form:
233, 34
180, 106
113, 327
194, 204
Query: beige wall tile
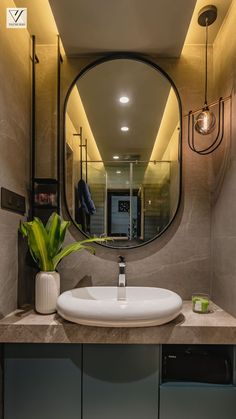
14, 146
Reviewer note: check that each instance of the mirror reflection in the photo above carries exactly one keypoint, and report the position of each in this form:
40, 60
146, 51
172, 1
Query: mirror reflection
122, 139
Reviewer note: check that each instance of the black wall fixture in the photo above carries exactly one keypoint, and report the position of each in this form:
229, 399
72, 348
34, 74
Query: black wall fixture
59, 63
45, 194
47, 188
12, 201
34, 61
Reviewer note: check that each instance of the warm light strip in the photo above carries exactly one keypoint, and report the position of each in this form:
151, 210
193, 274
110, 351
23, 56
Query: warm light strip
129, 161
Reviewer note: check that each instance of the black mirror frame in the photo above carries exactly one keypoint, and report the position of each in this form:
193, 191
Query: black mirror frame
110, 57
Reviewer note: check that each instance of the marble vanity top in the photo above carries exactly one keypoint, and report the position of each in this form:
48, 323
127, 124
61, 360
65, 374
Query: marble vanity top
217, 327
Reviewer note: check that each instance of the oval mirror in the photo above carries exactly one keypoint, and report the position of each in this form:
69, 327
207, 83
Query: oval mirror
123, 151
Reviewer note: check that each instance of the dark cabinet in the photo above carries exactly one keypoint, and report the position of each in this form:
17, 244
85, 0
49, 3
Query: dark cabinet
198, 382
68, 381
49, 381
120, 381
197, 401
42, 381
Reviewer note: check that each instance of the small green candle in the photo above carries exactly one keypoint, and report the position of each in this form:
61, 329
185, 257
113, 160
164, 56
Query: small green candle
200, 303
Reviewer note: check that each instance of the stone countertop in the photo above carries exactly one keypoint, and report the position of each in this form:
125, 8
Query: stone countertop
217, 327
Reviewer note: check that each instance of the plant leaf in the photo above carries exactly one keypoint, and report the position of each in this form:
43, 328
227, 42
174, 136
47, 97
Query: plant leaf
70, 248
63, 229
23, 228
38, 244
53, 227
45, 243
50, 221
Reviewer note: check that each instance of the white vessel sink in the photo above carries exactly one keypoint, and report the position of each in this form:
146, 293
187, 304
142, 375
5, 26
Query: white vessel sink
119, 306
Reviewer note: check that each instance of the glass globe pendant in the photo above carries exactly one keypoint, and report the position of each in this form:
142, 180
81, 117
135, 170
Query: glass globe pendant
205, 122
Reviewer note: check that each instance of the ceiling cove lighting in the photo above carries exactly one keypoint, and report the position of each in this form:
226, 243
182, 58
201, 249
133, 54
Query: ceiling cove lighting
204, 123
124, 99
116, 157
124, 129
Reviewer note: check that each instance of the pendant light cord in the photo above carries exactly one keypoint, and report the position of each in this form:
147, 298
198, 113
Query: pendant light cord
206, 67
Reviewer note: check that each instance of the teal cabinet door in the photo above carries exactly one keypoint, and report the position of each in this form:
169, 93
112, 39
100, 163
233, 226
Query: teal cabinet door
42, 381
120, 381
197, 402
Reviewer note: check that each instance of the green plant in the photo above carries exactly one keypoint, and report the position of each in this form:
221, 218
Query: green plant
45, 242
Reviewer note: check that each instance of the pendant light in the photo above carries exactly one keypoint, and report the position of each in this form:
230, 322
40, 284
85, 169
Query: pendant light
204, 123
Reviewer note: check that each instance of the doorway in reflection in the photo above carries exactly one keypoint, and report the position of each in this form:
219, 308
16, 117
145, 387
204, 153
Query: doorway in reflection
124, 220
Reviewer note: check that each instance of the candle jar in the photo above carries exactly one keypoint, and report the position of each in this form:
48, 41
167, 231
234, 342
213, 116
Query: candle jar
200, 303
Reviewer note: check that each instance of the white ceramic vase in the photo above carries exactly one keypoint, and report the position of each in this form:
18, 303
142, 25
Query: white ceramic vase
47, 291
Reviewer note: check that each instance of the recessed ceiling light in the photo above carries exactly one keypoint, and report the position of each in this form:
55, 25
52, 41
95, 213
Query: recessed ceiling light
118, 172
116, 157
124, 99
124, 129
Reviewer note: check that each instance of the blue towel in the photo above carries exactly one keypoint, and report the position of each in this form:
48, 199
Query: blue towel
85, 198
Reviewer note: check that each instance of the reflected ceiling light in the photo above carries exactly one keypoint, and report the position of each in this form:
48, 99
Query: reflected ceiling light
205, 121
116, 157
124, 129
118, 172
124, 99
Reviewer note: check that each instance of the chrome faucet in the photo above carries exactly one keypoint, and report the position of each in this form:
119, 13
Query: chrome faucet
121, 279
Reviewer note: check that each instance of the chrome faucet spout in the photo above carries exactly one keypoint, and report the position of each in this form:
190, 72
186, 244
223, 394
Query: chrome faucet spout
122, 277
